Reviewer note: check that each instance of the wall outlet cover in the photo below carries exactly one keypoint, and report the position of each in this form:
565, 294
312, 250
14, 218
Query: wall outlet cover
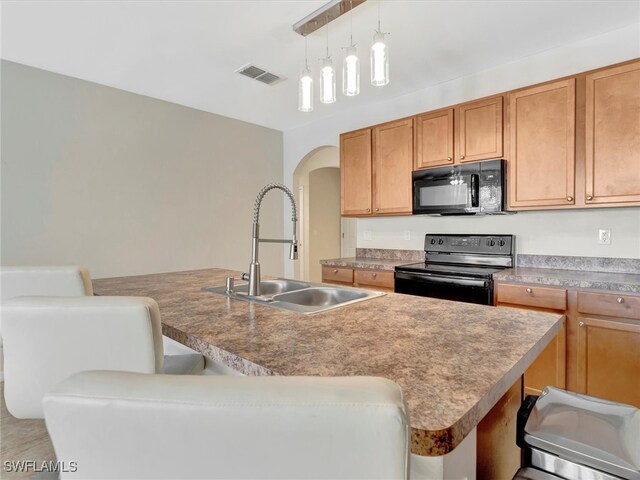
366, 235
604, 236
407, 234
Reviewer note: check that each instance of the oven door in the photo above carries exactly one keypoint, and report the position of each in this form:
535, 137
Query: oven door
460, 289
446, 191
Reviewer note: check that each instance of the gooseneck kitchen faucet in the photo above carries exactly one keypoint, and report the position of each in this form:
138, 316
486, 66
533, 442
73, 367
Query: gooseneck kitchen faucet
254, 268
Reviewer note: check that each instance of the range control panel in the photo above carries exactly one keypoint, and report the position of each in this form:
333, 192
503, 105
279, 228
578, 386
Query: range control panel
486, 244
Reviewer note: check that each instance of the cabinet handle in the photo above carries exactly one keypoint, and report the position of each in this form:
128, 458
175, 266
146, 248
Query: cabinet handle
368, 210
377, 209
335, 270
569, 199
620, 300
589, 197
461, 157
374, 275
581, 324
449, 158
529, 290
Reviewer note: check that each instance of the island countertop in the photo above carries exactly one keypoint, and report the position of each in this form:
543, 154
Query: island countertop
453, 360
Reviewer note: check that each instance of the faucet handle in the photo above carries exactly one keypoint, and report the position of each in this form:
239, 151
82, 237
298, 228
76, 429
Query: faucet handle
244, 276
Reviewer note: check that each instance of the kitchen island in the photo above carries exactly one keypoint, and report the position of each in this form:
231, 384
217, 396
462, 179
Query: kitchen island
454, 361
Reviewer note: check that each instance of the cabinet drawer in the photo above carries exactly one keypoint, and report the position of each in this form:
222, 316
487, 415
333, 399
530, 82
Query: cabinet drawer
374, 278
337, 274
533, 296
611, 304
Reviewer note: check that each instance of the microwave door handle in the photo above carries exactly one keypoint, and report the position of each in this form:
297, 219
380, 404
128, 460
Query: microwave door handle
475, 180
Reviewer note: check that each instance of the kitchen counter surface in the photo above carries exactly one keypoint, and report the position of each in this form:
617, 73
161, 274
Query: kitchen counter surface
453, 360
364, 263
608, 281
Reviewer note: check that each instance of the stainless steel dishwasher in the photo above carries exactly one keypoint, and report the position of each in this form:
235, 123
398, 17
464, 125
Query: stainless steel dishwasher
572, 436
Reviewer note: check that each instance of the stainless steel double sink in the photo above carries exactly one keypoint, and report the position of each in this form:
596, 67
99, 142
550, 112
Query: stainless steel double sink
297, 296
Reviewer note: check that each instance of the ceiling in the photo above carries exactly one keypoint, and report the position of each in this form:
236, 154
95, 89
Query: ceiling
187, 51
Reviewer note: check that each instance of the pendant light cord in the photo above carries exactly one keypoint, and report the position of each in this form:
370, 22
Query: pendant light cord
379, 3
306, 62
351, 22
327, 36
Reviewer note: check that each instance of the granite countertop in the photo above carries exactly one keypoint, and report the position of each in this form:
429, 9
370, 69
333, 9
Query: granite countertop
608, 281
452, 360
364, 263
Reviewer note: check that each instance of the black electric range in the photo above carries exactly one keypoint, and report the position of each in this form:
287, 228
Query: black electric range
457, 267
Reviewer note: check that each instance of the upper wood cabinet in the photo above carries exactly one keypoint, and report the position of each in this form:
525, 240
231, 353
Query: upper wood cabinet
613, 135
355, 172
392, 166
434, 139
542, 132
375, 169
478, 129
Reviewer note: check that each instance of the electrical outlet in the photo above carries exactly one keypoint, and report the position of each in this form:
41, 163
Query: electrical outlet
407, 234
604, 236
366, 235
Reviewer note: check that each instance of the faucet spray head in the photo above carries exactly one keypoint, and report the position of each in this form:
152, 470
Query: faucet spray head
293, 251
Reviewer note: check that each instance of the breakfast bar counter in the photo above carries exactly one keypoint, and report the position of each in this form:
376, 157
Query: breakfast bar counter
453, 360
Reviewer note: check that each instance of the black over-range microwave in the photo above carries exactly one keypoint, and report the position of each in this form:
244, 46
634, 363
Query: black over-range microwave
466, 189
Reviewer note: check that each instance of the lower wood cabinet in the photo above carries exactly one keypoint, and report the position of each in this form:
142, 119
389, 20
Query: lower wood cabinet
550, 368
369, 278
598, 351
608, 347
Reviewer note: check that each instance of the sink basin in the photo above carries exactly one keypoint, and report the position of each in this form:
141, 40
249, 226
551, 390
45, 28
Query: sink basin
321, 296
297, 296
274, 287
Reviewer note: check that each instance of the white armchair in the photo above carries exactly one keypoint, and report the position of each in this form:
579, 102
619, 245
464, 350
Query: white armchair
46, 339
129, 425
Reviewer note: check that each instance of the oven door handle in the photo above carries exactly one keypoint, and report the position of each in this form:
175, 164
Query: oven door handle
451, 280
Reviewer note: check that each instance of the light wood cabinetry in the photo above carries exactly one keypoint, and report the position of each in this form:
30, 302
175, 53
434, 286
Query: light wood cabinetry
467, 133
392, 166
551, 365
355, 172
613, 135
608, 346
542, 131
434, 139
375, 170
365, 278
478, 130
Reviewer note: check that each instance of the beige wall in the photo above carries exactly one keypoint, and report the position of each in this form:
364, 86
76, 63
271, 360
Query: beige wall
126, 184
324, 218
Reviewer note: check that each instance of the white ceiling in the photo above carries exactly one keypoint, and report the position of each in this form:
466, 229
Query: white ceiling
187, 51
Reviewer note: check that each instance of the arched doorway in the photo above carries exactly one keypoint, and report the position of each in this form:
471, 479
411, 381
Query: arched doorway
316, 183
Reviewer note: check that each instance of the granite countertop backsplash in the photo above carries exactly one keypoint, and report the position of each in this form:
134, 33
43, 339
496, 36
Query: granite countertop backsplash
376, 259
597, 273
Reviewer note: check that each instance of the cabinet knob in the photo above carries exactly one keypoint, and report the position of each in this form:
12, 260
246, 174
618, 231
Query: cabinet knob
529, 290
335, 270
581, 324
377, 209
368, 210
569, 199
374, 275
589, 197
620, 300
461, 157
449, 158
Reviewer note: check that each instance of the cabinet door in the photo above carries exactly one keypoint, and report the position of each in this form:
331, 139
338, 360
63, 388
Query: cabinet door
434, 139
479, 130
392, 165
613, 135
550, 367
355, 172
542, 163
609, 359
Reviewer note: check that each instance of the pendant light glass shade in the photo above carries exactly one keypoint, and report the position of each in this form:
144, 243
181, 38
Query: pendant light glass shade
327, 81
305, 91
351, 72
379, 61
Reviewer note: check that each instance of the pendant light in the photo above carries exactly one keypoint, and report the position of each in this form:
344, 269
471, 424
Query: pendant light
351, 65
327, 77
379, 58
305, 85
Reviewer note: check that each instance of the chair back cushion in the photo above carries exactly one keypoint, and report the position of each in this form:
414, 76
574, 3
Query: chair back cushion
46, 339
125, 425
70, 281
